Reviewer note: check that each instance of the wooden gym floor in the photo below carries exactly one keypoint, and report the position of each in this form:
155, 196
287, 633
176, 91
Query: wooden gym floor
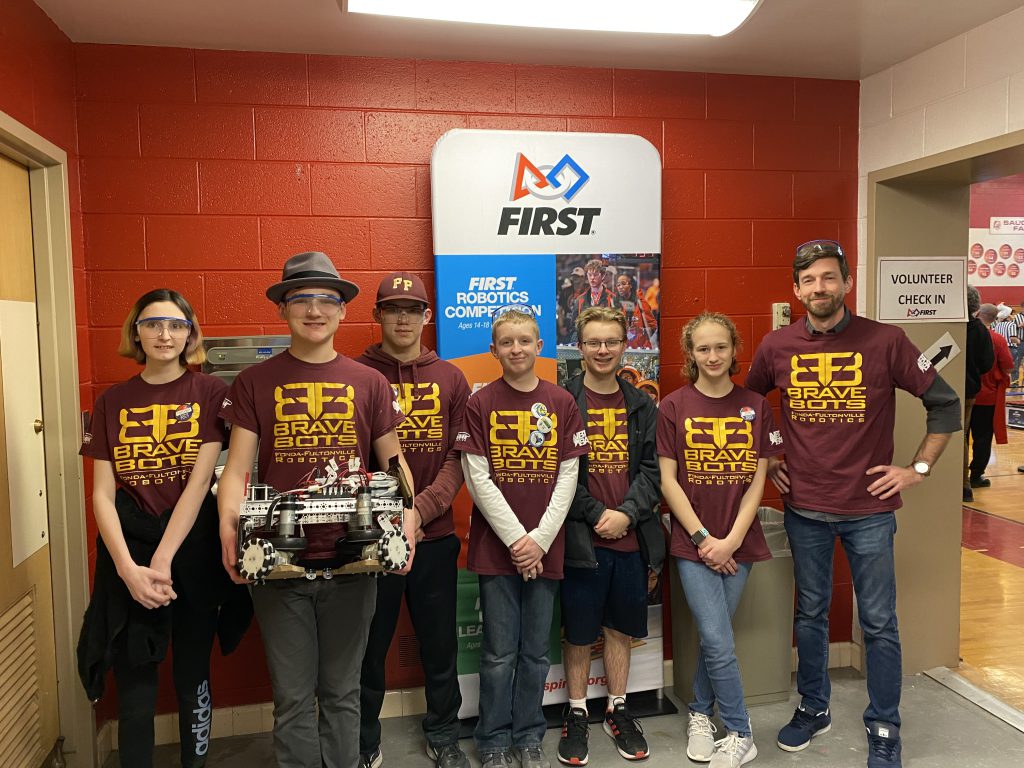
992, 578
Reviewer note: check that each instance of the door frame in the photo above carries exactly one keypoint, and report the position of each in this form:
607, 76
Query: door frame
58, 361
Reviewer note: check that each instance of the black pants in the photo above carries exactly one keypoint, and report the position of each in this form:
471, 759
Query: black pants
429, 591
192, 633
982, 420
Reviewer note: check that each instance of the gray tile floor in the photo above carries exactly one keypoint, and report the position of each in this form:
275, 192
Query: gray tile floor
940, 730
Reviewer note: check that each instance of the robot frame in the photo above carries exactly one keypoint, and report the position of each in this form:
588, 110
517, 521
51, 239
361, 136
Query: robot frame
370, 509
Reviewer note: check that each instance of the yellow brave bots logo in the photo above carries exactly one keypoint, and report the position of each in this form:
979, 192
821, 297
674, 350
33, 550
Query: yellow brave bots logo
423, 428
157, 440
314, 414
609, 440
827, 387
719, 449
514, 455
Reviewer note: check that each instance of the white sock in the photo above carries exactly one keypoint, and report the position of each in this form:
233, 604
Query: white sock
614, 701
578, 704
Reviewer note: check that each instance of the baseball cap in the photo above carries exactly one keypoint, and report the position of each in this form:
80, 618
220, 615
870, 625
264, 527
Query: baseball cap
402, 285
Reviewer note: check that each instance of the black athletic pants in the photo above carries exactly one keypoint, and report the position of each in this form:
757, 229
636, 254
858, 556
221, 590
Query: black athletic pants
982, 423
429, 591
192, 633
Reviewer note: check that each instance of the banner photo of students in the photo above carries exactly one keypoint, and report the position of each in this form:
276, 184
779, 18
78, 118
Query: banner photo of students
557, 222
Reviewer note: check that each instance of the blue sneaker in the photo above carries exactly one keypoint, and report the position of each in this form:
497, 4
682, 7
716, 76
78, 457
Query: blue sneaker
804, 726
884, 748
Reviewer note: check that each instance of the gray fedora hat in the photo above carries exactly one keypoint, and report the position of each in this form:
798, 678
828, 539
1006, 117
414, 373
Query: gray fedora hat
311, 268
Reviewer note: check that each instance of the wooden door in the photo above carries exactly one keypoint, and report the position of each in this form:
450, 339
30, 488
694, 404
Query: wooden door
29, 723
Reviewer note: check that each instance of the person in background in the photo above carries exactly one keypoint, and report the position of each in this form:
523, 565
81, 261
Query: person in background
433, 395
614, 544
154, 441
521, 442
838, 480
988, 417
978, 360
716, 536
641, 327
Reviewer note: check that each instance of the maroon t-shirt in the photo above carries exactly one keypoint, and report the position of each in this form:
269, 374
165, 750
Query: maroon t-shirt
151, 434
608, 460
717, 442
508, 427
306, 414
432, 393
839, 407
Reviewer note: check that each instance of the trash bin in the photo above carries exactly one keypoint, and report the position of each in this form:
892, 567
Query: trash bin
762, 626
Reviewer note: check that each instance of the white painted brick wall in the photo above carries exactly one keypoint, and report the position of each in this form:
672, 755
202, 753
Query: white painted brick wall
964, 90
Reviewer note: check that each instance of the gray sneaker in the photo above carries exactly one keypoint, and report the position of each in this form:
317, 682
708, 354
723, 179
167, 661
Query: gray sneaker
496, 759
447, 755
700, 737
733, 751
532, 757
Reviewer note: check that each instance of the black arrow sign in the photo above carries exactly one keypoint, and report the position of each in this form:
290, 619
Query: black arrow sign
943, 354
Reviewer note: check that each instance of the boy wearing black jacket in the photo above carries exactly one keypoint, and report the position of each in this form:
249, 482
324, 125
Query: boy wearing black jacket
614, 543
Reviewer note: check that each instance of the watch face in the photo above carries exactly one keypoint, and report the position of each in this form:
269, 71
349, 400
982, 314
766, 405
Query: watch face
921, 467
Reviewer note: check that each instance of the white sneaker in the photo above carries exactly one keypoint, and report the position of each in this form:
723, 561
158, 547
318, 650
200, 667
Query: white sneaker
700, 738
733, 751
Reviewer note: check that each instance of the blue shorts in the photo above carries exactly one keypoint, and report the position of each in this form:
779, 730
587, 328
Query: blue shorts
614, 595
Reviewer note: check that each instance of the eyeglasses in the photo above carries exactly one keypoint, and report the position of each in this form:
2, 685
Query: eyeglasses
395, 312
154, 326
523, 309
815, 247
610, 344
327, 305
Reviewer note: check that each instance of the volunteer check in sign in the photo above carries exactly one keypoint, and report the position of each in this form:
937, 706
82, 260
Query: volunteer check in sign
922, 289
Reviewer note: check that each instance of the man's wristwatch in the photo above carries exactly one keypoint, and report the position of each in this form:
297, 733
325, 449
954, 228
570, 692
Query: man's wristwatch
922, 468
698, 537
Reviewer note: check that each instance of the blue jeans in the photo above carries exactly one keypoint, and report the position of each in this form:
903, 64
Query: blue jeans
713, 598
513, 661
868, 544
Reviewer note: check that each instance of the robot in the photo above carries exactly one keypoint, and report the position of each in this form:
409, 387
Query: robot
370, 508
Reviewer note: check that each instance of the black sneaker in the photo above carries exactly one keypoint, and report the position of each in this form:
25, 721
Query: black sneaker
372, 759
804, 726
447, 755
884, 748
572, 747
627, 733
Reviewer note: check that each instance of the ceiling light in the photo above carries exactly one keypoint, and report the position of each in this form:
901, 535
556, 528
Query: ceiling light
678, 17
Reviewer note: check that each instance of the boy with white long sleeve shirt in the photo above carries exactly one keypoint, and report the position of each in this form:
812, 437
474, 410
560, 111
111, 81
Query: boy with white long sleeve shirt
521, 443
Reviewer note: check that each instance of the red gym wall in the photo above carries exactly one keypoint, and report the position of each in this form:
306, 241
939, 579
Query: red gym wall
204, 170
999, 197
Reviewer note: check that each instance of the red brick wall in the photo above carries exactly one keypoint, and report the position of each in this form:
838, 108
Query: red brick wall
205, 170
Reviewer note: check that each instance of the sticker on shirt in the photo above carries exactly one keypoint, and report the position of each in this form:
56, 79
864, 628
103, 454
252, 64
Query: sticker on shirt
544, 425
423, 428
718, 450
827, 388
519, 452
747, 413
539, 410
184, 412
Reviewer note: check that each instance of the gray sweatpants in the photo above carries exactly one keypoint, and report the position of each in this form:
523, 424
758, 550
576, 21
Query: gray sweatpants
314, 635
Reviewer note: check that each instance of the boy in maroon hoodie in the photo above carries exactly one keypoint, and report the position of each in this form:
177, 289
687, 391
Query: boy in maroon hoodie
433, 395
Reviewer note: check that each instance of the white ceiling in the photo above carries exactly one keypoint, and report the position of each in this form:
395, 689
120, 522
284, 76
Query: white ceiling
845, 39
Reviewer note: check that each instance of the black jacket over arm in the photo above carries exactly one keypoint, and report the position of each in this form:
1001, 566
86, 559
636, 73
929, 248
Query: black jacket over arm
643, 498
